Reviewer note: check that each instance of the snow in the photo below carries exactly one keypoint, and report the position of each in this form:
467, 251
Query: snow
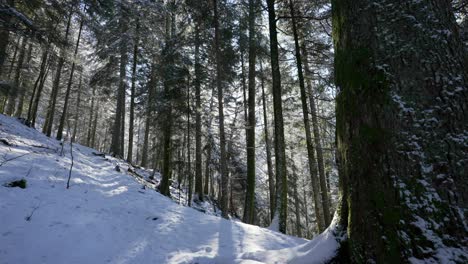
319, 250
107, 217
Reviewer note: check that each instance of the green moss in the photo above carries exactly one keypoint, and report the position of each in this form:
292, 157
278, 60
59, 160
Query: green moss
20, 183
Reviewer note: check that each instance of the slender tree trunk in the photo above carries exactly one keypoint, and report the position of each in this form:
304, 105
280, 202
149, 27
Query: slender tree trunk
323, 217
77, 108
250, 193
22, 87
47, 129
91, 114
149, 111
324, 183
38, 95
133, 92
36, 92
198, 125
297, 203
401, 131
117, 148
222, 135
271, 176
12, 63
70, 82
13, 92
189, 169
280, 154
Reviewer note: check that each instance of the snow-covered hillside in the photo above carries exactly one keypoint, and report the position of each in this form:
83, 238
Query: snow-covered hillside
107, 217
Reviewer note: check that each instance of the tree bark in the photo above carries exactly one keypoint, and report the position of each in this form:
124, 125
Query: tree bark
13, 92
70, 82
133, 93
222, 136
198, 143
324, 182
320, 202
77, 108
47, 129
117, 148
250, 193
280, 154
401, 120
4, 37
23, 85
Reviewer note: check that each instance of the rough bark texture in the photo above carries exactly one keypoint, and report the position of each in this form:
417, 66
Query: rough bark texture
402, 132
280, 154
322, 211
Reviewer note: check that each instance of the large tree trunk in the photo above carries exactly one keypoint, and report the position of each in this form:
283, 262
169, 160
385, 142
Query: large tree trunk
47, 129
402, 75
320, 202
222, 135
280, 154
133, 93
70, 82
250, 193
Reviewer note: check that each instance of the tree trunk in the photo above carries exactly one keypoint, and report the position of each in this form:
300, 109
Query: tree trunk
77, 108
47, 129
13, 92
222, 135
70, 82
280, 154
133, 93
149, 111
4, 36
117, 148
91, 114
321, 202
297, 203
271, 176
250, 193
37, 89
324, 183
198, 144
401, 120
25, 83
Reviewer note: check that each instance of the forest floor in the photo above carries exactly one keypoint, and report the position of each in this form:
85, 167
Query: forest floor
107, 217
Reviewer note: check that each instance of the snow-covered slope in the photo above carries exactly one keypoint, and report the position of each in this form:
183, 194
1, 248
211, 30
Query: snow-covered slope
106, 216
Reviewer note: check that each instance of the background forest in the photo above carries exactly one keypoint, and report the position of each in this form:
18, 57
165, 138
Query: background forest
233, 102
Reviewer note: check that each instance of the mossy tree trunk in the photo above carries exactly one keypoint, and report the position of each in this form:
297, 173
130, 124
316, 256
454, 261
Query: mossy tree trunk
401, 130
